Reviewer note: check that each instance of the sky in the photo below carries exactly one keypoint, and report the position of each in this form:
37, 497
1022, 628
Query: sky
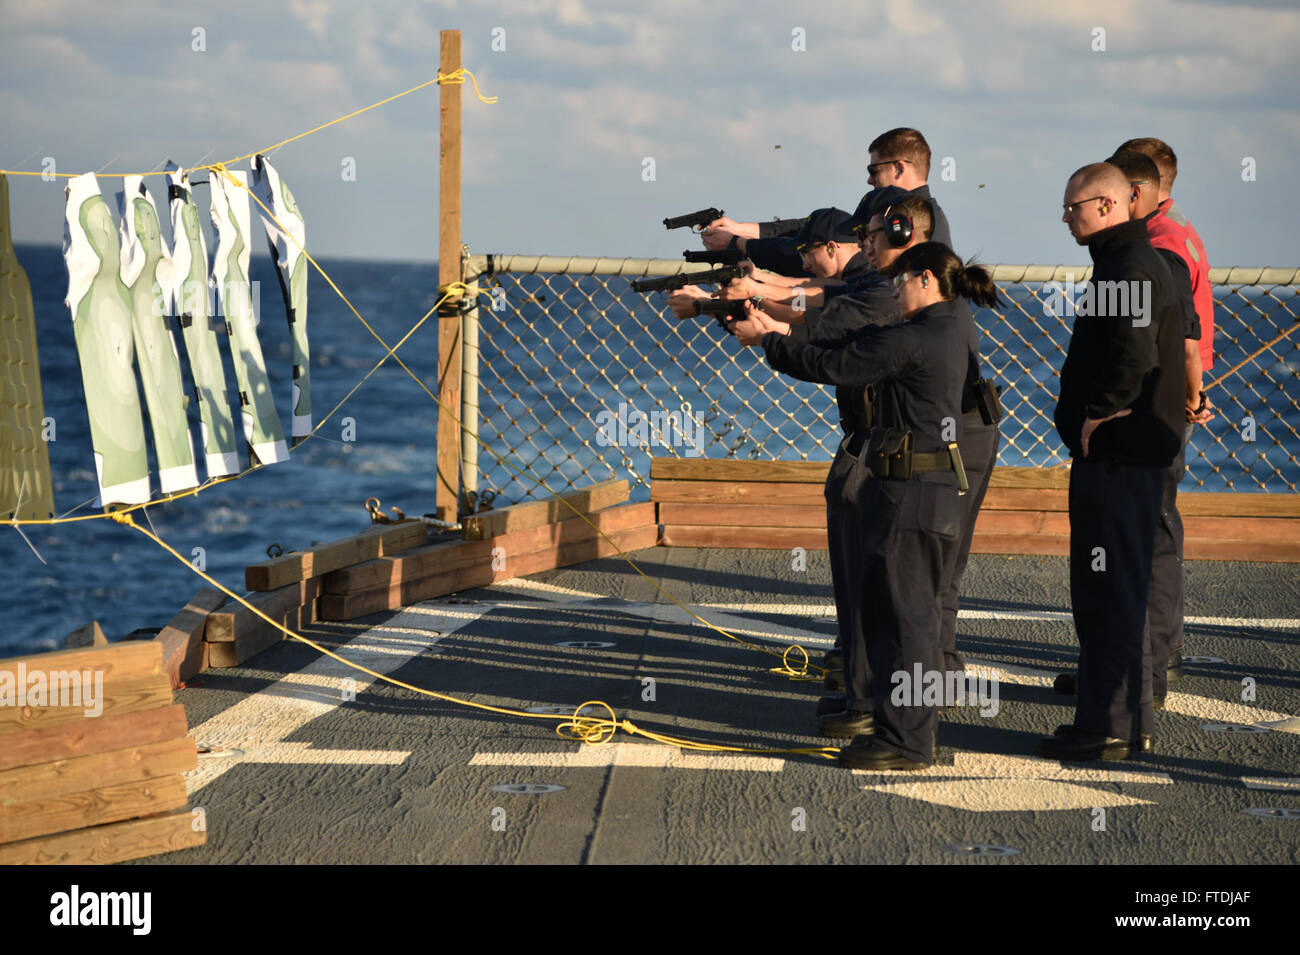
760, 109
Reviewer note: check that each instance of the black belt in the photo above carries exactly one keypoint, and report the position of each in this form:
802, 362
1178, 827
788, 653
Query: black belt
937, 461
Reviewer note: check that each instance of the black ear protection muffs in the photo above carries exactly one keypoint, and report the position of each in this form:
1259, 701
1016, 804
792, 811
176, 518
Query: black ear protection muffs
898, 227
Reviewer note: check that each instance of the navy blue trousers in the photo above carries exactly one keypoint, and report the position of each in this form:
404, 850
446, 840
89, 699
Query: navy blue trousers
1114, 509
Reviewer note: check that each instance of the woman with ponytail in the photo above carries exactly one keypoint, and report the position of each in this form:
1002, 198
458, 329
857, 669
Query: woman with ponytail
912, 514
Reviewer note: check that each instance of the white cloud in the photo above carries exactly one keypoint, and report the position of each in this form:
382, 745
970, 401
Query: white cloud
313, 14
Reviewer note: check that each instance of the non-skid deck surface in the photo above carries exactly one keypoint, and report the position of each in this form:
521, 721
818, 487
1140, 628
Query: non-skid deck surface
310, 775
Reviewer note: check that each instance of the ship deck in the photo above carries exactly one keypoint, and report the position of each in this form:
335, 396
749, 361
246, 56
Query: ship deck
300, 773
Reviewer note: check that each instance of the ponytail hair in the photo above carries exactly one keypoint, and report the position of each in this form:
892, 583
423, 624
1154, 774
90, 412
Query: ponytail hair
974, 282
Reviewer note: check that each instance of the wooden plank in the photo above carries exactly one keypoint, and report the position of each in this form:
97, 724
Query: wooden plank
1265, 551
1055, 478
439, 558
1023, 523
129, 658
1282, 530
119, 696
1240, 504
450, 269
1025, 499
1042, 544
743, 515
87, 635
1198, 503
87, 737
182, 639
480, 574
520, 517
814, 472
236, 620
104, 845
92, 807
375, 541
731, 471
253, 640
781, 494
771, 538
129, 764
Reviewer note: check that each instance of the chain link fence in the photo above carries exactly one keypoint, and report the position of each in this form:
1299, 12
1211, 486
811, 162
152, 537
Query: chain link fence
571, 375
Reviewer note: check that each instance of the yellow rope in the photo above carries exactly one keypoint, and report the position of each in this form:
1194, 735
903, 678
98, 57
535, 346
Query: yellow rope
454, 78
588, 729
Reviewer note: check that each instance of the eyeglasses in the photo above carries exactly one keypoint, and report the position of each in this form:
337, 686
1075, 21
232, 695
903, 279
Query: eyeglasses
805, 248
869, 234
902, 279
874, 167
1139, 182
1072, 207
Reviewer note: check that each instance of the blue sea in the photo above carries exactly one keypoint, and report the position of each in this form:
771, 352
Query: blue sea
558, 356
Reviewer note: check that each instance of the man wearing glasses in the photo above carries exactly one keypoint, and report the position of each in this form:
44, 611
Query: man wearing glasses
1120, 413
1165, 602
828, 252
899, 157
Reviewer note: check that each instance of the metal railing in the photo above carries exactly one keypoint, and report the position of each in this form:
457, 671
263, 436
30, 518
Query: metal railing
570, 373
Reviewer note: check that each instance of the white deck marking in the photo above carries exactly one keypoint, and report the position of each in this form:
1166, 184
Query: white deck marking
304, 753
996, 766
985, 782
1006, 795
1184, 704
828, 609
259, 724
1273, 783
550, 591
643, 755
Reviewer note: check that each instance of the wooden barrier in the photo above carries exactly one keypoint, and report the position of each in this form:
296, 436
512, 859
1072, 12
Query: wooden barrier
520, 517
391, 566
424, 573
373, 542
287, 589
780, 504
184, 652
91, 762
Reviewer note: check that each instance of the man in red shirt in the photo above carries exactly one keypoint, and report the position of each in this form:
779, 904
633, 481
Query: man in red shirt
1169, 230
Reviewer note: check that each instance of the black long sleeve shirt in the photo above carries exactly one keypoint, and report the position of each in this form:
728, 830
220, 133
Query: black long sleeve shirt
1126, 360
918, 367
836, 324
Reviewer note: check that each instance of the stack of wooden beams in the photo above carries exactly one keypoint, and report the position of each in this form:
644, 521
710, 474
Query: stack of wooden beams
99, 781
497, 545
780, 505
286, 589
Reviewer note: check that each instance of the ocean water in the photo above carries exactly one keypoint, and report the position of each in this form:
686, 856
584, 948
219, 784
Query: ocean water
563, 352
100, 570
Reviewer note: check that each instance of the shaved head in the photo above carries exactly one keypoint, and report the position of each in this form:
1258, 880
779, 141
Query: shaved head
1102, 179
1096, 198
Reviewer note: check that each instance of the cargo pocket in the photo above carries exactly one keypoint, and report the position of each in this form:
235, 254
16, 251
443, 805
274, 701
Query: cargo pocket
939, 511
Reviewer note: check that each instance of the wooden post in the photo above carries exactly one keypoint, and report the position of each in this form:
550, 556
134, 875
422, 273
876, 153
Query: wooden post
447, 491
